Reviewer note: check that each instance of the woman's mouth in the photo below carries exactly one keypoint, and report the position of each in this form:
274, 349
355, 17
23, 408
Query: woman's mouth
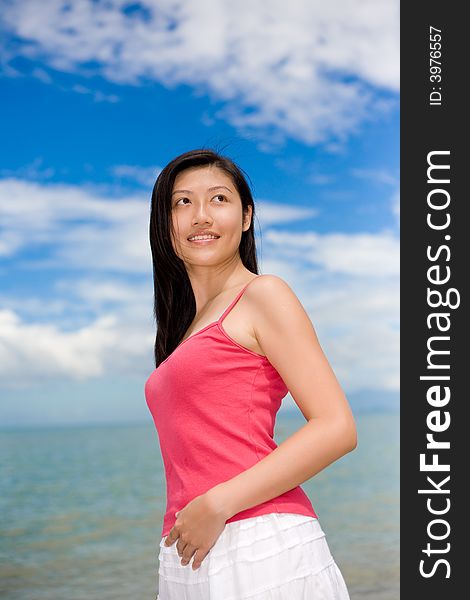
203, 239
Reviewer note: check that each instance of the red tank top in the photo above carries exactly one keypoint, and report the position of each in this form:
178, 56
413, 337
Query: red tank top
214, 404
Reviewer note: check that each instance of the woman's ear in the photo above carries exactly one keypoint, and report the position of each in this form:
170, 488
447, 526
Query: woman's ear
247, 213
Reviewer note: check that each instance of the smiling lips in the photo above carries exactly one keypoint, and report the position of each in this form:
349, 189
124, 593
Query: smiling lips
203, 236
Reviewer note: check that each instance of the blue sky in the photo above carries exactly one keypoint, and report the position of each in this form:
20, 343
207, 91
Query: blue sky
98, 96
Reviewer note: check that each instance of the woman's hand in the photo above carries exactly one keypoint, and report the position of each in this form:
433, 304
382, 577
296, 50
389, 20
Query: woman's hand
198, 526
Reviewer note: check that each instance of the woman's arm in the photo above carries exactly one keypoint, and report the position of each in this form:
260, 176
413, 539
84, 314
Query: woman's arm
287, 337
309, 450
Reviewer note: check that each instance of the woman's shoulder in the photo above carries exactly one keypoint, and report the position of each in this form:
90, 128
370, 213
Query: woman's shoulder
270, 290
278, 318
268, 282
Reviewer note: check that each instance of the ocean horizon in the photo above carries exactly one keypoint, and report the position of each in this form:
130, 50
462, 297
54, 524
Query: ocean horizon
83, 504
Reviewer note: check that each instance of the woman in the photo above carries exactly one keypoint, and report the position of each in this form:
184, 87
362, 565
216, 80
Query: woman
230, 344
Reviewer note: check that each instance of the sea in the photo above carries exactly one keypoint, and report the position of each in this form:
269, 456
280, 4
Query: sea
81, 510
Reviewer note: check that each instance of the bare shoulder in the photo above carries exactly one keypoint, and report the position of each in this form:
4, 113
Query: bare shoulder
273, 294
267, 284
276, 313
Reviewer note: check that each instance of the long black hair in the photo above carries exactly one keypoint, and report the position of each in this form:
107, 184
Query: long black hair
174, 302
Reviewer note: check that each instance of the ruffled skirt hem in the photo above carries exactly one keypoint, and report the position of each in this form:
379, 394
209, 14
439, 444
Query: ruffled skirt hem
277, 556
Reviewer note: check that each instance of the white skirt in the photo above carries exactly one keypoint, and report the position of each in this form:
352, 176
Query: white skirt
277, 556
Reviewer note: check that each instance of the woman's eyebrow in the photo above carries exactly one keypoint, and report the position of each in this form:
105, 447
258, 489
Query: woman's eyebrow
215, 187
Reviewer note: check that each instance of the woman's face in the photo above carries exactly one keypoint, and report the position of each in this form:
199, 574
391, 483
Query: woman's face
206, 198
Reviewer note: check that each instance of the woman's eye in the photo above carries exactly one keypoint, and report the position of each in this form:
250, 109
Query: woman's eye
180, 200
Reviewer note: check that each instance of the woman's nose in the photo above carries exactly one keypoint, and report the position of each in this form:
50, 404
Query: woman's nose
201, 214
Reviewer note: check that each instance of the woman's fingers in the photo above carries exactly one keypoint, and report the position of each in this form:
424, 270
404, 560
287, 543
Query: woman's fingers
173, 534
180, 546
199, 556
187, 554
171, 537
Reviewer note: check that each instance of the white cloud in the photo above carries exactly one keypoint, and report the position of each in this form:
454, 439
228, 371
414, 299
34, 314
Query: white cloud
33, 171
376, 175
361, 254
145, 176
107, 345
271, 213
277, 67
98, 96
82, 228
42, 75
297, 166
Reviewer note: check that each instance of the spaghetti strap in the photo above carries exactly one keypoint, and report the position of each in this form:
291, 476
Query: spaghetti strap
235, 300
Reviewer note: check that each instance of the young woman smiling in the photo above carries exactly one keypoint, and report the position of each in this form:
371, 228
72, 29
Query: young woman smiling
230, 344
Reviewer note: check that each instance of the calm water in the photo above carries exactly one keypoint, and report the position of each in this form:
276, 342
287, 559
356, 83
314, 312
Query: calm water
82, 508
